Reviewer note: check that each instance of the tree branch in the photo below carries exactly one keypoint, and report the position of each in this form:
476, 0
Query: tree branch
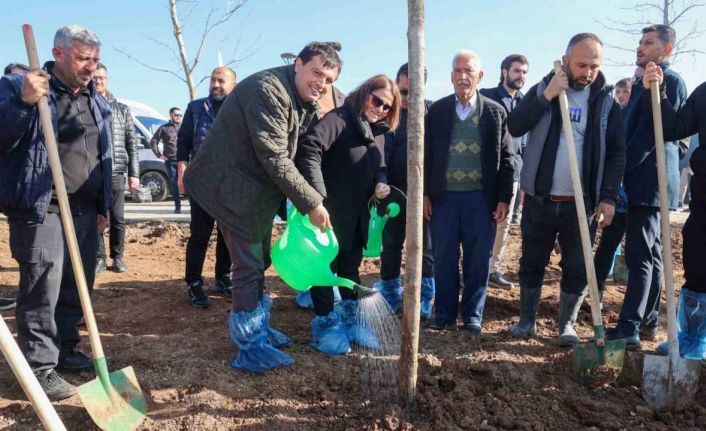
157, 69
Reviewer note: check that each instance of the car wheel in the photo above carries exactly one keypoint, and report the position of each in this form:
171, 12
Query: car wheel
157, 183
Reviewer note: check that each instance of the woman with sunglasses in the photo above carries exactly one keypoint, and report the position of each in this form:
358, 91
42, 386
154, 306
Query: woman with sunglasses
342, 158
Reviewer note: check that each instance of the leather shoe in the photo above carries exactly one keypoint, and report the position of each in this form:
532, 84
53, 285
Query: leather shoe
74, 361
438, 325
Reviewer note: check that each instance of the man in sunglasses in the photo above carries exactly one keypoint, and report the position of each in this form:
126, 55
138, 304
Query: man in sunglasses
166, 134
468, 180
390, 285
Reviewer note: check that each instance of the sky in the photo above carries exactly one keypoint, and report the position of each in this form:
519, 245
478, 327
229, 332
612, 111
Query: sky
373, 34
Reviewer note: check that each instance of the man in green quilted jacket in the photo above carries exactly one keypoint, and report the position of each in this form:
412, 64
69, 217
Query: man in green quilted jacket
243, 172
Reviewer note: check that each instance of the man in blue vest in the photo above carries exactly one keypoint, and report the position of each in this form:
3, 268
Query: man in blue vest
197, 121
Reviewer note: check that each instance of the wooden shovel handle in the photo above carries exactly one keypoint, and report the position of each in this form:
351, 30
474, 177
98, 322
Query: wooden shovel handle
64, 209
581, 213
28, 381
665, 224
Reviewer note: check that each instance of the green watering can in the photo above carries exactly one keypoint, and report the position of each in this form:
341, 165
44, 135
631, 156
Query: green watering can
302, 256
376, 226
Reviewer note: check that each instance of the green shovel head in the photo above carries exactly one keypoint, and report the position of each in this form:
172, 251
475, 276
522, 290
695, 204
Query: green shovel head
596, 364
114, 400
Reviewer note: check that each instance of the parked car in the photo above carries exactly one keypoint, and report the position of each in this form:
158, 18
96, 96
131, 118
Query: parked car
153, 173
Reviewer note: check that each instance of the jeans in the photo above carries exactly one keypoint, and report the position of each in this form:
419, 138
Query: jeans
543, 222
116, 221
197, 245
461, 218
172, 173
610, 240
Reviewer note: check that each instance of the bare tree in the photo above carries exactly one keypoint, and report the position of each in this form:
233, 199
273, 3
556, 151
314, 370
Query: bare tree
415, 174
215, 18
679, 14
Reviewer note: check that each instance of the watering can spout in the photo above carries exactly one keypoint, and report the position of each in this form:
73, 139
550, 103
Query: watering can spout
363, 291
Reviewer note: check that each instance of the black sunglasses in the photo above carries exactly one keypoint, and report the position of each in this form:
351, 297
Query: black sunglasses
378, 102
404, 92
177, 115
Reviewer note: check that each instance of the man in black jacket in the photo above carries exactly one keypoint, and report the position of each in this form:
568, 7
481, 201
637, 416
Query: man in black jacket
467, 189
549, 210
166, 135
125, 161
390, 285
513, 71
198, 119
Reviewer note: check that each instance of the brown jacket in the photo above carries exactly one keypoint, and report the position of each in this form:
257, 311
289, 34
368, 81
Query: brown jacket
245, 167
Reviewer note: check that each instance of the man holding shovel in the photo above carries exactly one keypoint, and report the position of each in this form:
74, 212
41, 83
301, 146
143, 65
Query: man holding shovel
48, 306
643, 246
690, 119
549, 210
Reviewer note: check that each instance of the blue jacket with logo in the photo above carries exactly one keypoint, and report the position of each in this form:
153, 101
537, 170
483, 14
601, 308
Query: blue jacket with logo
25, 175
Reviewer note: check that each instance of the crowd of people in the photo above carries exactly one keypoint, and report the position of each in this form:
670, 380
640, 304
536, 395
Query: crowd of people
287, 134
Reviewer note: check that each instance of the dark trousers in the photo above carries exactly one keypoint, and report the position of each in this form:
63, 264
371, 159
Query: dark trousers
543, 222
611, 237
643, 257
249, 261
171, 166
116, 221
201, 228
461, 218
694, 234
393, 238
48, 304
345, 265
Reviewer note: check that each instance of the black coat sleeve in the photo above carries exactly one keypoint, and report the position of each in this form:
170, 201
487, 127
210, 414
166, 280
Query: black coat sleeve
683, 123
185, 138
131, 143
506, 172
526, 115
614, 168
312, 146
381, 172
154, 142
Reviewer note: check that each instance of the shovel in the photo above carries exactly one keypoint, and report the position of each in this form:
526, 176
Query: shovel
28, 381
668, 382
593, 354
114, 400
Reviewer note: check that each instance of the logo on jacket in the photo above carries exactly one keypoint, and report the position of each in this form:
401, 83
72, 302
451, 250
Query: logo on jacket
575, 114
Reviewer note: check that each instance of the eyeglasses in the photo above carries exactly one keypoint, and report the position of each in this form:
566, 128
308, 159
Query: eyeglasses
378, 102
100, 78
404, 92
177, 115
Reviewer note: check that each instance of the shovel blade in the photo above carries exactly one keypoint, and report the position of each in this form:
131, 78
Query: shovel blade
115, 403
590, 356
669, 385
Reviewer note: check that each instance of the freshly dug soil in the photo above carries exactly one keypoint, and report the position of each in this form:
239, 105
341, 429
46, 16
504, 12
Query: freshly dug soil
181, 357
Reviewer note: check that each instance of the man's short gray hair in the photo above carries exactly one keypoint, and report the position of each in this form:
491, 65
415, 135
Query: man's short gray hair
67, 35
468, 53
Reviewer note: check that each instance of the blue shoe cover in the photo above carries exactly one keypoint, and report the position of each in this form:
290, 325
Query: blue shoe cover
274, 337
303, 300
249, 333
428, 292
391, 290
329, 335
692, 324
357, 331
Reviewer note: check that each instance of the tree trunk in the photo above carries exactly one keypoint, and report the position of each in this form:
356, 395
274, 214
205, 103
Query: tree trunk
665, 13
182, 50
415, 182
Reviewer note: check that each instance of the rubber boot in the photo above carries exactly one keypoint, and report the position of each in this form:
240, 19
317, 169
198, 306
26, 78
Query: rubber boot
569, 305
428, 292
529, 303
329, 335
248, 332
391, 290
358, 334
691, 319
274, 337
